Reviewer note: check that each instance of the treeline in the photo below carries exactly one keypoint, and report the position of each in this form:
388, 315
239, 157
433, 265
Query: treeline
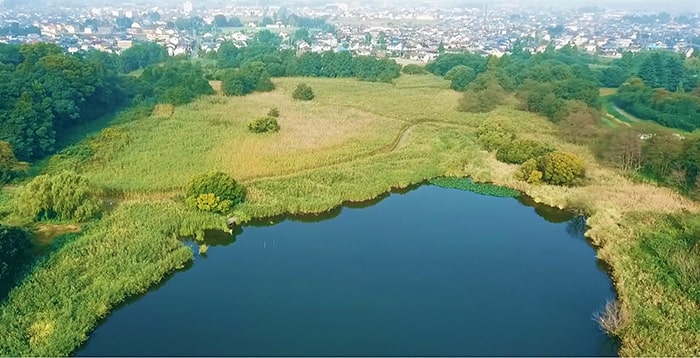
563, 85
263, 48
657, 85
47, 92
553, 83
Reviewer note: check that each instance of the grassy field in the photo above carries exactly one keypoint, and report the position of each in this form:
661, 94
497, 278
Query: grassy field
355, 141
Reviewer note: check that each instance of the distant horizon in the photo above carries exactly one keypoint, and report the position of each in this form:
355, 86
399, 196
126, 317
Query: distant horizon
630, 5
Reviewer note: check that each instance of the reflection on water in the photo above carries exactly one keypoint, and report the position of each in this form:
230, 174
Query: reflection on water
432, 272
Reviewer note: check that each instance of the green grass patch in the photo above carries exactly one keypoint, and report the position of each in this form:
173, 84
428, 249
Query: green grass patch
53, 311
467, 184
665, 294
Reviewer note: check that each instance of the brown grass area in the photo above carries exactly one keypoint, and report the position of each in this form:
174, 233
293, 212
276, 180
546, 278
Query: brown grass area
45, 232
216, 85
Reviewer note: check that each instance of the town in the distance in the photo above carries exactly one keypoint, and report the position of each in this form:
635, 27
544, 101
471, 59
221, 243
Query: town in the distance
413, 32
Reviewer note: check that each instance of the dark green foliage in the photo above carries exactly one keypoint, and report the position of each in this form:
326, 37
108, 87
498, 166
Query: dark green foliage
142, 54
279, 63
521, 150
671, 109
445, 62
414, 70
214, 191
613, 76
175, 82
460, 77
63, 196
250, 78
15, 256
264, 125
303, 92
467, 184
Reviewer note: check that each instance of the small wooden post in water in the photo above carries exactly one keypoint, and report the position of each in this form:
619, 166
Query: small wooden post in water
231, 223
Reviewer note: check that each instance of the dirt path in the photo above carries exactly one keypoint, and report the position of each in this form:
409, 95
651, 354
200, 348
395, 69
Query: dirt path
398, 143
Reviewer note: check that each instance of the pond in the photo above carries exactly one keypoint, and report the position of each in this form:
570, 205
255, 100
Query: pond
430, 271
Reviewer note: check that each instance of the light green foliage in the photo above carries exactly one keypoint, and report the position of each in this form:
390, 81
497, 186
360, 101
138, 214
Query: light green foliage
135, 247
496, 133
664, 267
467, 184
264, 125
63, 196
560, 168
303, 92
535, 177
209, 202
527, 170
214, 191
10, 167
521, 150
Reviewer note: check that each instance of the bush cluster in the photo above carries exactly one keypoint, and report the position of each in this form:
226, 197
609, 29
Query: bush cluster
303, 92
64, 196
558, 168
264, 125
215, 191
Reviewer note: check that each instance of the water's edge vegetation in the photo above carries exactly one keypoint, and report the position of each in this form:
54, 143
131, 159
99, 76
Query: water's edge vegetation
318, 158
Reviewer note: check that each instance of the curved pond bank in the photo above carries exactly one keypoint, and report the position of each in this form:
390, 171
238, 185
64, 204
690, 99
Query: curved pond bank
431, 271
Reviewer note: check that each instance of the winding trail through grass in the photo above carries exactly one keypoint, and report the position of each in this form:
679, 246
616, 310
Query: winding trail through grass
398, 143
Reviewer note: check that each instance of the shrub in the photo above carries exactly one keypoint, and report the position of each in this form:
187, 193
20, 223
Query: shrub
560, 168
64, 196
529, 172
414, 70
216, 191
495, 133
264, 125
303, 92
521, 150
274, 112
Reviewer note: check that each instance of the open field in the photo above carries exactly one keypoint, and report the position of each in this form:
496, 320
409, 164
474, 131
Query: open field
353, 142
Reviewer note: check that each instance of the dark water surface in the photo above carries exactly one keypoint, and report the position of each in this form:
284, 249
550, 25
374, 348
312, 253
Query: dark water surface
430, 272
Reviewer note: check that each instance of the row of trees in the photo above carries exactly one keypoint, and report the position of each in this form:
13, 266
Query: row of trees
284, 63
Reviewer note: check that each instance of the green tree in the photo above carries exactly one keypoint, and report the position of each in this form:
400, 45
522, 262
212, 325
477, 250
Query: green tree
303, 92
63, 196
460, 77
214, 191
495, 133
560, 168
